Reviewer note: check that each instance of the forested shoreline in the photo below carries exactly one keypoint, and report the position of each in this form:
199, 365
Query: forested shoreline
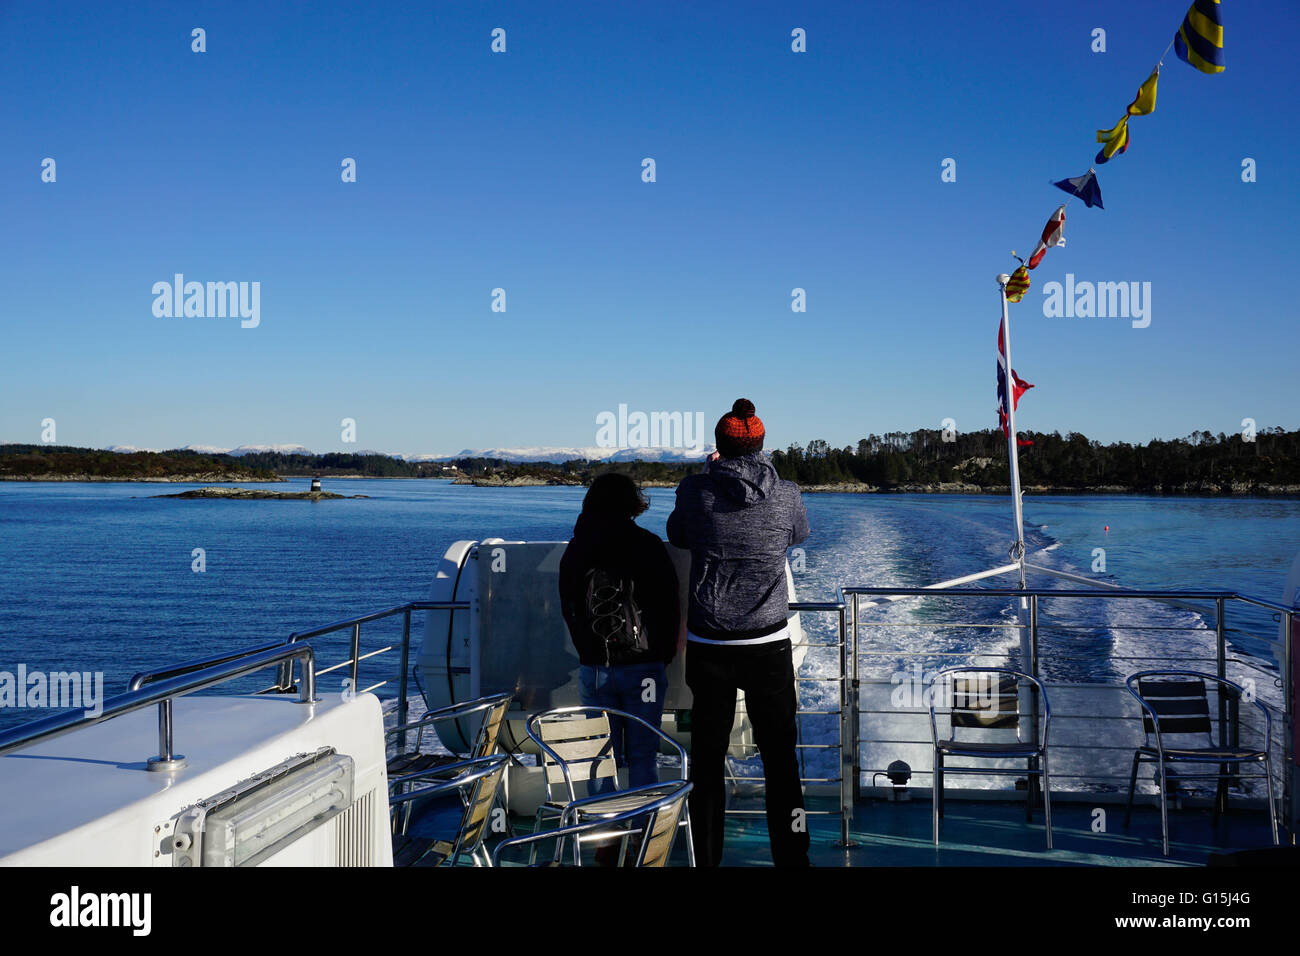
1199, 463
926, 460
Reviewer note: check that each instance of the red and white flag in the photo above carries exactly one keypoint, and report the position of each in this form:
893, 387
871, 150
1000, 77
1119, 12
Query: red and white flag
1053, 235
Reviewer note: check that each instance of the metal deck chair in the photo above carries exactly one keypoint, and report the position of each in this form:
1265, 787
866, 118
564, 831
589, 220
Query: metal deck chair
657, 822
1176, 702
485, 740
991, 702
477, 782
576, 746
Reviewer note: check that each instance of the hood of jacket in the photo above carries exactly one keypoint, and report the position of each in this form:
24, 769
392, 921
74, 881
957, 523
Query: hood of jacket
600, 531
747, 480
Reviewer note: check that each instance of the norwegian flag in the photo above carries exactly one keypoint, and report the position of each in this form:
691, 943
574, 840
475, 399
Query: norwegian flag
1021, 386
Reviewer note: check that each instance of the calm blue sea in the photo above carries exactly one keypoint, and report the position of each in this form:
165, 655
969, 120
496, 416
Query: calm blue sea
99, 577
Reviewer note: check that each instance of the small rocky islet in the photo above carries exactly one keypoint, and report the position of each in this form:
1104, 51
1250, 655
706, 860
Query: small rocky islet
258, 494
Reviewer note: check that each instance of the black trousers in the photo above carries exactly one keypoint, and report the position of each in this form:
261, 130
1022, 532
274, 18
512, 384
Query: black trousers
765, 672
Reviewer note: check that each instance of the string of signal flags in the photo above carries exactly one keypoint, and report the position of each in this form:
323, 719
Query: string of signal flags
1198, 43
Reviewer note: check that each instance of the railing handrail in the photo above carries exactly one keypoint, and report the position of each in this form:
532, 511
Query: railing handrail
1030, 625
1148, 594
817, 605
163, 692
141, 678
349, 622
377, 615
285, 677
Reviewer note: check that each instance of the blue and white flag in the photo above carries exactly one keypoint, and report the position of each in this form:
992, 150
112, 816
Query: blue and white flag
1085, 187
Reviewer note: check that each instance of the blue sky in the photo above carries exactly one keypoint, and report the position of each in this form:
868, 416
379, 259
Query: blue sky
775, 170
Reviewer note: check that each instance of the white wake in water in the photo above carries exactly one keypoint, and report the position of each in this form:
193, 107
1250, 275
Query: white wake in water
1086, 649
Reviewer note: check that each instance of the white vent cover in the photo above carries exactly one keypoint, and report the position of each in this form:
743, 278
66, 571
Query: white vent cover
354, 833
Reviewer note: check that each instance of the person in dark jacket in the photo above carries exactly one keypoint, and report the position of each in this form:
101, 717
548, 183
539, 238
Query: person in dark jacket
737, 519
607, 541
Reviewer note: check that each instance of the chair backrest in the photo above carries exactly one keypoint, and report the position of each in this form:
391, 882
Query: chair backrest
1178, 700
456, 720
477, 781
661, 830
583, 745
478, 806
490, 730
985, 700
657, 821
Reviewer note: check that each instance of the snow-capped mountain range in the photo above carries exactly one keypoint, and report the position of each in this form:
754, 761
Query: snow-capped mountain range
236, 452
250, 449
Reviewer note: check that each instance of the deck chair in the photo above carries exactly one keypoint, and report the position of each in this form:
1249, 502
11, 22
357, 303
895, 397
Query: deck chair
657, 822
576, 746
477, 781
987, 700
1176, 703
493, 710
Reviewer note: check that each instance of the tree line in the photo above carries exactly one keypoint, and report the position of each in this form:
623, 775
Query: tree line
1071, 461
32, 461
1200, 462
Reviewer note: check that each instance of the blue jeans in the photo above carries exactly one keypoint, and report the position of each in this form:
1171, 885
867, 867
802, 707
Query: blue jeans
627, 688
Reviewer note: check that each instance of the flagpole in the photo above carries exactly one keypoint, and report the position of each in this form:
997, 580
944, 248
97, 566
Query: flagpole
1012, 443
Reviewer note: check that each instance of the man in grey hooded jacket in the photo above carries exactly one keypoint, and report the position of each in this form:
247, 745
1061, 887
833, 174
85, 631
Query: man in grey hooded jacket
737, 519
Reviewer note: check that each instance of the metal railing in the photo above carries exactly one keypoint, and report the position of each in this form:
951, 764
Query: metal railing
846, 713
846, 736
354, 661
161, 686
162, 692
285, 680
1032, 626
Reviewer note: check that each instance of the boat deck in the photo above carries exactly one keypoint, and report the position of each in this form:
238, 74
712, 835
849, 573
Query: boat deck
995, 833
980, 833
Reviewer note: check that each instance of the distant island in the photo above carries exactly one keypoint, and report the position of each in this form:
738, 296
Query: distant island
258, 494
65, 463
923, 461
511, 478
